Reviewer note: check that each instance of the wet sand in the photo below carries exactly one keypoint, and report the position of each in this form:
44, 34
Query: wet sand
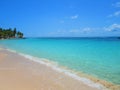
19, 73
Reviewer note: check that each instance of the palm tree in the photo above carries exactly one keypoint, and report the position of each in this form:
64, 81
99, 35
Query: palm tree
14, 31
9, 33
19, 34
1, 33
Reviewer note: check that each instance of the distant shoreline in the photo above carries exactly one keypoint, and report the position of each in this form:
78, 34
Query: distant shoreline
11, 38
10, 33
77, 37
64, 38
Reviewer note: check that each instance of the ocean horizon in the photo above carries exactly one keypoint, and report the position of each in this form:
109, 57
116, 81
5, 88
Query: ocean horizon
95, 56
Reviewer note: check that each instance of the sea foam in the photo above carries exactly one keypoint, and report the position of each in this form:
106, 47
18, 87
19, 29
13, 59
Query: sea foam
61, 70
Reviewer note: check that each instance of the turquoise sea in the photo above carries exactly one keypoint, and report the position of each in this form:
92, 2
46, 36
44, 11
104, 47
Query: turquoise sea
99, 57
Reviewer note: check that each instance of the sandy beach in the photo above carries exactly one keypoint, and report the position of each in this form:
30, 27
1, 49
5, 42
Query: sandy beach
60, 45
19, 73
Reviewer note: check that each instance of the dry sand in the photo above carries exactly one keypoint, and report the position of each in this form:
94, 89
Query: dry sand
19, 73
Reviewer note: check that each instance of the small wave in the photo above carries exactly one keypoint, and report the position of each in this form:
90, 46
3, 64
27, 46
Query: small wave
55, 67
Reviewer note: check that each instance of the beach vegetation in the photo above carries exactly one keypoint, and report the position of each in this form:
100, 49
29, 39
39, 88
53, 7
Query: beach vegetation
10, 33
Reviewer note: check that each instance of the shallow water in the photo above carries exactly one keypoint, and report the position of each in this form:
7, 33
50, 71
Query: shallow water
99, 57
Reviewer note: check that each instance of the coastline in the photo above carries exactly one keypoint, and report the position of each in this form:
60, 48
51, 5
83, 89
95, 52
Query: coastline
88, 84
19, 73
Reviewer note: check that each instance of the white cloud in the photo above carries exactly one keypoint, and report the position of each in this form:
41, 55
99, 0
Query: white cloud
117, 4
82, 30
113, 27
74, 17
87, 30
116, 14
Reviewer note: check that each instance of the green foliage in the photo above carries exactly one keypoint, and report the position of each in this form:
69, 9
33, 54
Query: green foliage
9, 33
19, 34
14, 32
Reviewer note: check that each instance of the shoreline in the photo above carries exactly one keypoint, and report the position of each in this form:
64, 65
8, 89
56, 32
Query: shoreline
81, 77
86, 79
20, 73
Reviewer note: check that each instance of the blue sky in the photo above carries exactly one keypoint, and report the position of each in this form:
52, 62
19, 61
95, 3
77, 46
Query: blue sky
62, 18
